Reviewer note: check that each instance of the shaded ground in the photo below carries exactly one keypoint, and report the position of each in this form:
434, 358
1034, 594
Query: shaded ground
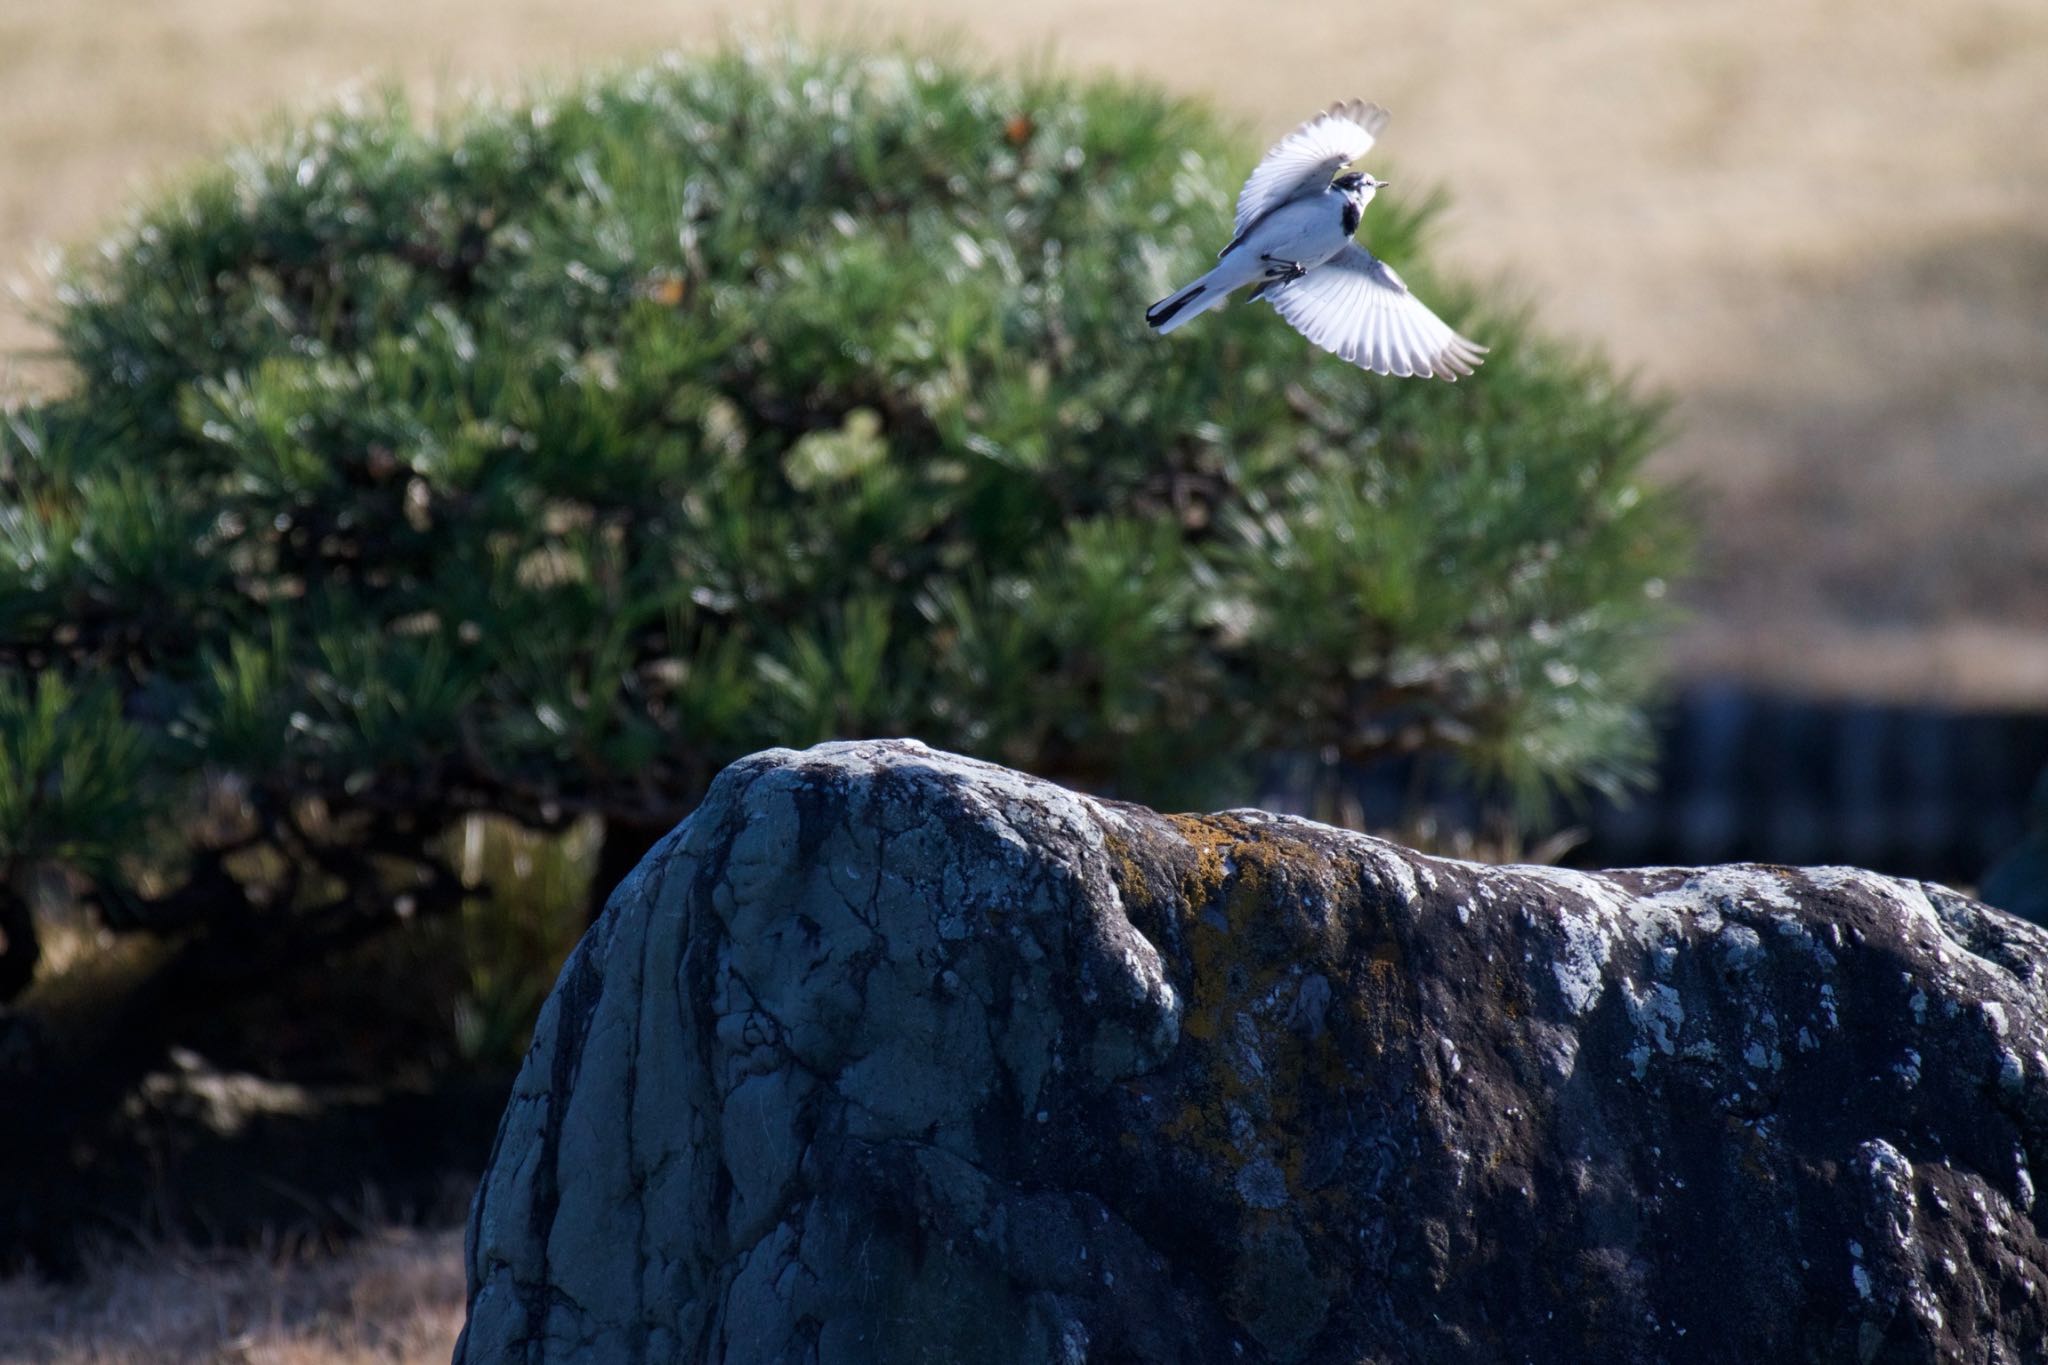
354, 1090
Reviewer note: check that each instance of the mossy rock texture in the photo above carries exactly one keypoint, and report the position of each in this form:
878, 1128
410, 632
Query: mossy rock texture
890, 1055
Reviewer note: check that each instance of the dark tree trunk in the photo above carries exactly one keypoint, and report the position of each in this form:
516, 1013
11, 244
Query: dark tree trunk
619, 851
20, 950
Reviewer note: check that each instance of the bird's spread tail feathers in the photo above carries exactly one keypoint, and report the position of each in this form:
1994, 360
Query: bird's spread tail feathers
1211, 291
1162, 313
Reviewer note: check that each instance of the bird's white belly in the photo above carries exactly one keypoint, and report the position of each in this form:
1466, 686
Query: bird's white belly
1307, 231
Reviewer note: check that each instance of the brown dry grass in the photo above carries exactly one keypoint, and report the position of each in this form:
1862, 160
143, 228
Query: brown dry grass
396, 1298
1819, 223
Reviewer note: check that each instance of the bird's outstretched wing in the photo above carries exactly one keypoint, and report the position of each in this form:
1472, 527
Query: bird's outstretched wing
1308, 157
1355, 306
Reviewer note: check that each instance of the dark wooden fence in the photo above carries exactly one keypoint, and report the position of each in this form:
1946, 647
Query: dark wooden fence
1756, 777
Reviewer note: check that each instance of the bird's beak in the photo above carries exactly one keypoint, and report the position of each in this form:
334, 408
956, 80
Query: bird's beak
1381, 184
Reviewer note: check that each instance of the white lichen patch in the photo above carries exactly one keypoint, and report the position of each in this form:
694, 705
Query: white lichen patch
1992, 1225
1558, 1047
1658, 922
1261, 1185
1243, 1132
1251, 1063
1400, 874
1586, 927
1658, 1016
1741, 948
1741, 886
1805, 939
1664, 1017
1852, 879
1910, 898
1578, 968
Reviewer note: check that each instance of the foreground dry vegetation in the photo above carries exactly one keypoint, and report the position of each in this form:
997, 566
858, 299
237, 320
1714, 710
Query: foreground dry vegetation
396, 1298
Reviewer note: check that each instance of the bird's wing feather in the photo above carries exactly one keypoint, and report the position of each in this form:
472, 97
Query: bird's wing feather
1355, 306
1308, 157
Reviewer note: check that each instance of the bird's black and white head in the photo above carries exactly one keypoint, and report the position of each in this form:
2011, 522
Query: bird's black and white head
1358, 190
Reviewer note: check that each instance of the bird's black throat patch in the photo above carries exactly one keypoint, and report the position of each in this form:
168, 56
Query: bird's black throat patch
1351, 215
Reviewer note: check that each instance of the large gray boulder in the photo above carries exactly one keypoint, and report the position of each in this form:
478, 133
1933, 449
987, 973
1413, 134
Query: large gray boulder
887, 1055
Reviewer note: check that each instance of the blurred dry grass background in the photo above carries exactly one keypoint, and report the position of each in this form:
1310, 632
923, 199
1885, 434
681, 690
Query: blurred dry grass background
1823, 226
397, 1298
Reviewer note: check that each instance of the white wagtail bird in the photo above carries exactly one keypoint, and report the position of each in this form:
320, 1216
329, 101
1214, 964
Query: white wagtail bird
1294, 226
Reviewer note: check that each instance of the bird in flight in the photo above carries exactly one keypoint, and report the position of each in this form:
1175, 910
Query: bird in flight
1294, 226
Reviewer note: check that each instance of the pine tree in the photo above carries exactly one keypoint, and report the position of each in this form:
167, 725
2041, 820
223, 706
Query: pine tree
543, 462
